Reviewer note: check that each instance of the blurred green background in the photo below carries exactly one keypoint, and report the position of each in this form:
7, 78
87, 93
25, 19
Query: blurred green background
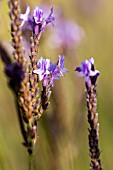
63, 129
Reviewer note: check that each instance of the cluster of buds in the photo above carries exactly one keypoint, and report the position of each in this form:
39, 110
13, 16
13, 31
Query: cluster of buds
90, 75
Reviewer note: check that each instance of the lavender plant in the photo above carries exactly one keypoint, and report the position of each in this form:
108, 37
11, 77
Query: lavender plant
90, 75
24, 77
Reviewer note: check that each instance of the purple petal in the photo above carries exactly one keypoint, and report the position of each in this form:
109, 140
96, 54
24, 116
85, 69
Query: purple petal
25, 16
78, 69
50, 18
38, 15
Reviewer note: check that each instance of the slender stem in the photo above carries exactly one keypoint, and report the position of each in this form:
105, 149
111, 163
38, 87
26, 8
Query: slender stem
32, 163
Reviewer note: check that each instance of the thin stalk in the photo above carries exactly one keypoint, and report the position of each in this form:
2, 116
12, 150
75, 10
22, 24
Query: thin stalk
32, 162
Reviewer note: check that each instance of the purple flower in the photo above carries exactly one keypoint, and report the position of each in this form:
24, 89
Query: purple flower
87, 71
42, 68
37, 22
61, 65
57, 69
66, 34
48, 71
38, 15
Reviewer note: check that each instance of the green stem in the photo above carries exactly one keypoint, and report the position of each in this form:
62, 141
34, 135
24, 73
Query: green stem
32, 163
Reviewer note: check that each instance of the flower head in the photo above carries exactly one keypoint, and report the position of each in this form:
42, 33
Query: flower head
42, 68
38, 15
87, 71
37, 22
48, 71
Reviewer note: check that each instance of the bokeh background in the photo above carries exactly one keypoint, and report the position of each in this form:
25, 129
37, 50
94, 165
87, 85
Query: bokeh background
86, 30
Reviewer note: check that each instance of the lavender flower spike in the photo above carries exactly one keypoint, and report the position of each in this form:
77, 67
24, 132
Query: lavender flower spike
90, 75
87, 71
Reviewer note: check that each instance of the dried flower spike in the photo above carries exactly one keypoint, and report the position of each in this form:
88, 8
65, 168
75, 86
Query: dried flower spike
90, 75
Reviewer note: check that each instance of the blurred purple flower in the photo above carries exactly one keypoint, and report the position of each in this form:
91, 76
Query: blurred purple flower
66, 34
48, 71
15, 73
87, 71
37, 22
